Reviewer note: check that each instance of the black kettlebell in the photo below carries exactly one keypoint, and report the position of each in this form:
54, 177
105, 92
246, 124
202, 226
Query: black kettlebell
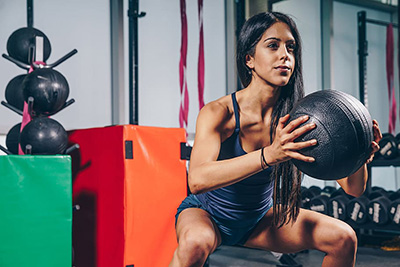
22, 41
49, 90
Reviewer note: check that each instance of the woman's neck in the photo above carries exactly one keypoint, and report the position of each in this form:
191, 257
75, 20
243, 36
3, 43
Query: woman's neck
260, 98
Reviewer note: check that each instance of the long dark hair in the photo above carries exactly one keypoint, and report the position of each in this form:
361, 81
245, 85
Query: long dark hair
287, 198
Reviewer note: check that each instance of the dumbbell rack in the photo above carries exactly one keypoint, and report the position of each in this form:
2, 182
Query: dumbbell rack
380, 162
369, 227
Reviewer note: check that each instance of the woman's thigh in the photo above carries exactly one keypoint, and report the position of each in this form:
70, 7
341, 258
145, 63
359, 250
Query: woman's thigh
195, 225
311, 230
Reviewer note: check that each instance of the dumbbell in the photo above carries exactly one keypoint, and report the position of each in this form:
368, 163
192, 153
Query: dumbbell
394, 210
378, 210
328, 190
397, 138
377, 191
320, 204
384, 208
337, 204
357, 209
389, 146
307, 194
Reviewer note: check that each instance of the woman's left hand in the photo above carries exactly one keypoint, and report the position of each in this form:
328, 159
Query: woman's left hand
375, 144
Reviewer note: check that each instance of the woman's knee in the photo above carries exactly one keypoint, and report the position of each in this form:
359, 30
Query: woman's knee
197, 243
345, 241
349, 238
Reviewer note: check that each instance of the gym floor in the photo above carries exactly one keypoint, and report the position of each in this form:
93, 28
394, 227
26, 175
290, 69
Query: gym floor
227, 256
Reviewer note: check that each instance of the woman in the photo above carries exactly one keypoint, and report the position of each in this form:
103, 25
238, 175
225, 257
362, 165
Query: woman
240, 166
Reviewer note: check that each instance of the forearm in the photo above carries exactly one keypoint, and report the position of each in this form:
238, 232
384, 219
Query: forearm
215, 174
355, 184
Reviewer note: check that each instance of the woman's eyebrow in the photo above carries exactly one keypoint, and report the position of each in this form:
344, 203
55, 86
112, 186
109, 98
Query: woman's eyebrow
278, 39
272, 38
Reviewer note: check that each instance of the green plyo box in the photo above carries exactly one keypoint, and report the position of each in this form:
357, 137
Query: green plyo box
35, 211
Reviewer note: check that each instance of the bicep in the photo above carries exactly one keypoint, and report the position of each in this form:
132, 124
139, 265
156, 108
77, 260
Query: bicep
207, 141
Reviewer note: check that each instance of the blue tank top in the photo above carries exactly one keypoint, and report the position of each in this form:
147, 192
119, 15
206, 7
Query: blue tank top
244, 203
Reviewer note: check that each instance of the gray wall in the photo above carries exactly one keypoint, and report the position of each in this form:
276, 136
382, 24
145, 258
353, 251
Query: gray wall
159, 55
84, 25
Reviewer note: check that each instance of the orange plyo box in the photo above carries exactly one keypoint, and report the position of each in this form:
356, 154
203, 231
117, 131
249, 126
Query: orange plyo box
128, 181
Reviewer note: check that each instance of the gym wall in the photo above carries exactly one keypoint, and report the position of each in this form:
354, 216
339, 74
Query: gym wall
85, 25
159, 55
306, 14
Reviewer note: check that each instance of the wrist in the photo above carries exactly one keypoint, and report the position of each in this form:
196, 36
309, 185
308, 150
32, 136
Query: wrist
264, 162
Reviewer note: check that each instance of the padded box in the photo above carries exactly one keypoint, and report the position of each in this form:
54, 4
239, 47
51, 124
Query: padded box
36, 211
129, 181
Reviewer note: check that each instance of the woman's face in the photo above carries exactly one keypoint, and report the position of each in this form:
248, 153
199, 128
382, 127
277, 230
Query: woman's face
273, 60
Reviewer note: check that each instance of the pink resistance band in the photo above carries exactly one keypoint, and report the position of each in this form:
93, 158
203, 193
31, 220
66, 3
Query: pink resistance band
390, 77
26, 117
200, 66
184, 106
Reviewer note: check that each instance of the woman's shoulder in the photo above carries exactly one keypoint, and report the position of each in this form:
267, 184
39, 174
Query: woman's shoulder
221, 105
218, 113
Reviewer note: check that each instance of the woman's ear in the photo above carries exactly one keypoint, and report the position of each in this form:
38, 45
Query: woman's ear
249, 61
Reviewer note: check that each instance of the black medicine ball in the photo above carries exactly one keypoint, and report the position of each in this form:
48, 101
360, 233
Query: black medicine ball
12, 138
14, 92
46, 136
49, 89
343, 131
22, 40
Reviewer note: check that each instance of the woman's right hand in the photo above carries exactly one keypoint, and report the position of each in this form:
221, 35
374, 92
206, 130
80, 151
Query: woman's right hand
284, 147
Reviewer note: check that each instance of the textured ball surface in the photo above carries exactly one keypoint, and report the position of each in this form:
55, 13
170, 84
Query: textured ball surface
343, 131
22, 40
46, 136
12, 138
14, 92
49, 89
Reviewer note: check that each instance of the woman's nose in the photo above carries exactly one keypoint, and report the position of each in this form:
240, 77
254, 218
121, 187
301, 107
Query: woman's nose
284, 54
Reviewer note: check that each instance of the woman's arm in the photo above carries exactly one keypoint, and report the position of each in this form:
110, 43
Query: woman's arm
206, 173
355, 184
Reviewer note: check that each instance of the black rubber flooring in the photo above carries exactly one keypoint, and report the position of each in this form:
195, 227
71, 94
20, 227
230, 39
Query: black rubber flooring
227, 256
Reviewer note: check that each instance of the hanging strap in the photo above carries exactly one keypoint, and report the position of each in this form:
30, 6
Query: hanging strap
26, 117
390, 77
184, 105
200, 65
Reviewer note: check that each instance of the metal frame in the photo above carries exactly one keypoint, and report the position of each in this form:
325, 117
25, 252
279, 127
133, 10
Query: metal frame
134, 15
117, 62
326, 21
363, 52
